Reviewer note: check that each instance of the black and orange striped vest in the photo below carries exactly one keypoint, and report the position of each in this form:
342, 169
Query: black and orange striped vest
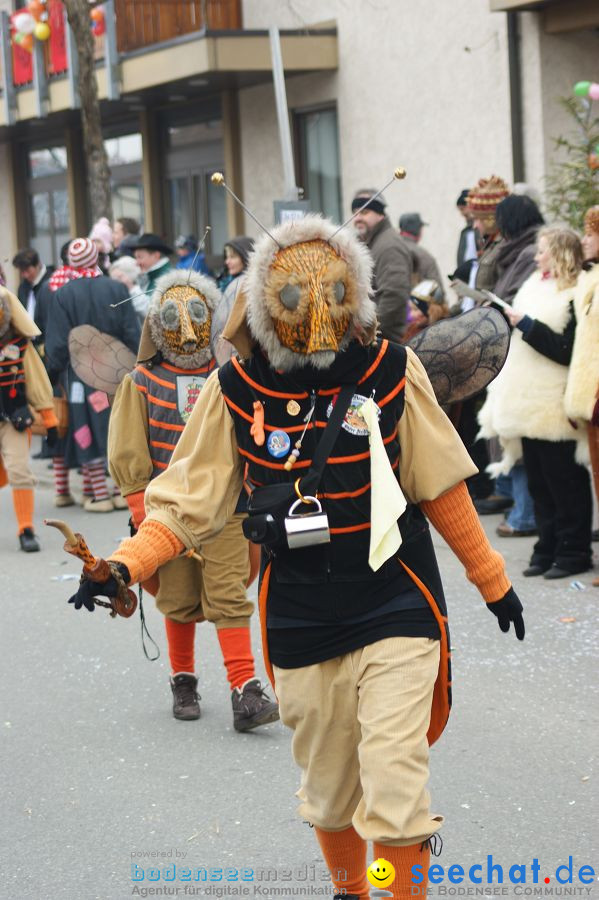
171, 394
344, 490
12, 375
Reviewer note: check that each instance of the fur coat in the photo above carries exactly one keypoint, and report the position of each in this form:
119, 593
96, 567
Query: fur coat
527, 397
583, 375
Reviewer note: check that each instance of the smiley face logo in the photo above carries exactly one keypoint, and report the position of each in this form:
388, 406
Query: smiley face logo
380, 873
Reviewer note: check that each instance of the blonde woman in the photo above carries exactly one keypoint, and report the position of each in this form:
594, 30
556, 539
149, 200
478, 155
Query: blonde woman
525, 408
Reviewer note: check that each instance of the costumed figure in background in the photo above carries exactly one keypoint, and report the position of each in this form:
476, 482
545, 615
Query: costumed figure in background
149, 413
23, 383
90, 299
581, 400
353, 616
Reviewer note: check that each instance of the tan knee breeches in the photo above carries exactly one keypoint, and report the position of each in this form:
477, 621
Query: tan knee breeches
14, 450
360, 724
216, 592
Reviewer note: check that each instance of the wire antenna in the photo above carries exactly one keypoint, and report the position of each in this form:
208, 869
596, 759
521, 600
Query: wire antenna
198, 251
133, 296
218, 178
399, 174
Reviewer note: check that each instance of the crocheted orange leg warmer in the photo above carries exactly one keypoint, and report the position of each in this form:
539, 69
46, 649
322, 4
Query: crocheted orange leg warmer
344, 853
22, 499
153, 546
402, 859
180, 637
455, 518
237, 655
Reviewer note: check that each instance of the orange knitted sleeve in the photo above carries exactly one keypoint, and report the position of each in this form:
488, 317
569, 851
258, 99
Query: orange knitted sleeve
135, 502
48, 418
153, 545
455, 518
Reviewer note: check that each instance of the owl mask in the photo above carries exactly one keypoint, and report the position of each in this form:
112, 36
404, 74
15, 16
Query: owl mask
307, 293
180, 317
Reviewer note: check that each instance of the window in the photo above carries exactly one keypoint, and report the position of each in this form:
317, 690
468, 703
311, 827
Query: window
319, 171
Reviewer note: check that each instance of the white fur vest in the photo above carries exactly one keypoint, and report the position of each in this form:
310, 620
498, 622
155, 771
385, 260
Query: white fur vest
527, 397
583, 374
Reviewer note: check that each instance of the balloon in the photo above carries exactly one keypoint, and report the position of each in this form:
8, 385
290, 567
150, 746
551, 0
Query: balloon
581, 88
42, 31
97, 14
594, 91
99, 28
18, 37
593, 161
24, 22
27, 43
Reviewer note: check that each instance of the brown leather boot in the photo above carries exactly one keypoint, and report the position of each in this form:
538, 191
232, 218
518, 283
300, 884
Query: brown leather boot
185, 696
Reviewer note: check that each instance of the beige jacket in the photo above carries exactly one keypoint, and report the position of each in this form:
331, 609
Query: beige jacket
198, 492
583, 376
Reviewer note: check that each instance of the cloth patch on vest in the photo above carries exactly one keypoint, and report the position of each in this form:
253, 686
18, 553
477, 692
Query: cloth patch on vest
10, 351
83, 436
98, 401
354, 422
188, 391
278, 443
77, 392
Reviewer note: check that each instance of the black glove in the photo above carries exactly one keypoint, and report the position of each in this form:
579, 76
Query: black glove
22, 418
509, 609
53, 376
52, 437
89, 589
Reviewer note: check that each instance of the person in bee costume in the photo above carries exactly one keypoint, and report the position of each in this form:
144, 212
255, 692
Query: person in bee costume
354, 630
23, 384
149, 413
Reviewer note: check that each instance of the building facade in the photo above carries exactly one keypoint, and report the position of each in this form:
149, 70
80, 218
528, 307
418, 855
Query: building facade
451, 91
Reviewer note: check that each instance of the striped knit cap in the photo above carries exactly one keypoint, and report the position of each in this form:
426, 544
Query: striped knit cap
82, 253
483, 199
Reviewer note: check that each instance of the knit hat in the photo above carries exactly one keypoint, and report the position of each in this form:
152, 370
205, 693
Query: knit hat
591, 220
102, 232
83, 253
483, 199
242, 245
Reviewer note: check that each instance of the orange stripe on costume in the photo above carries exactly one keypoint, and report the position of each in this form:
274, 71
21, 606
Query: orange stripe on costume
207, 368
399, 387
166, 425
155, 378
162, 445
158, 402
159, 465
440, 704
346, 494
347, 529
263, 390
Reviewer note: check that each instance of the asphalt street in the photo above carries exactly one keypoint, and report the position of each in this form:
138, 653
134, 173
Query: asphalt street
98, 777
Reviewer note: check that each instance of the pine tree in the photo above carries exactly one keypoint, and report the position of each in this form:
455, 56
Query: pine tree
573, 183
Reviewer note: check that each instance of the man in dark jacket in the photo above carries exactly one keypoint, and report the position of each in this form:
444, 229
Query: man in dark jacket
33, 275
392, 263
89, 299
424, 263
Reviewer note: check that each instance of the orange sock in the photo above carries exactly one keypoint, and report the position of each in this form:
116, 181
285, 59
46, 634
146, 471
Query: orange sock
402, 859
180, 638
237, 654
22, 499
344, 853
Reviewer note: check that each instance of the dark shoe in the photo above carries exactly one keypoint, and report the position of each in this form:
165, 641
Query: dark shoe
505, 530
534, 569
558, 572
28, 541
493, 504
252, 707
595, 535
185, 696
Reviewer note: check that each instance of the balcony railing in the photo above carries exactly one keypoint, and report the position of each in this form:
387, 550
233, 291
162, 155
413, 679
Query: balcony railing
139, 24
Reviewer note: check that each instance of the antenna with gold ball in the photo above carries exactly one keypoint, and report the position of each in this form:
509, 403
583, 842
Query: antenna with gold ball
399, 174
219, 178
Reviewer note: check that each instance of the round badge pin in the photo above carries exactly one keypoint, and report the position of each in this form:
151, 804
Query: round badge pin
293, 408
278, 444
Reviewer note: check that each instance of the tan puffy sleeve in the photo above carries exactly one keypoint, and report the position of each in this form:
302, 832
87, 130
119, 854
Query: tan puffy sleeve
128, 449
433, 458
37, 384
198, 493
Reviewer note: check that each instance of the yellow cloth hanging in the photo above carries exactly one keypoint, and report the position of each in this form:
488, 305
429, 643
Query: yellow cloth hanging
387, 501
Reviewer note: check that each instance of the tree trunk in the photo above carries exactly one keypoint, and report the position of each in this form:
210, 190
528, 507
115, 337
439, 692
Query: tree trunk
98, 171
